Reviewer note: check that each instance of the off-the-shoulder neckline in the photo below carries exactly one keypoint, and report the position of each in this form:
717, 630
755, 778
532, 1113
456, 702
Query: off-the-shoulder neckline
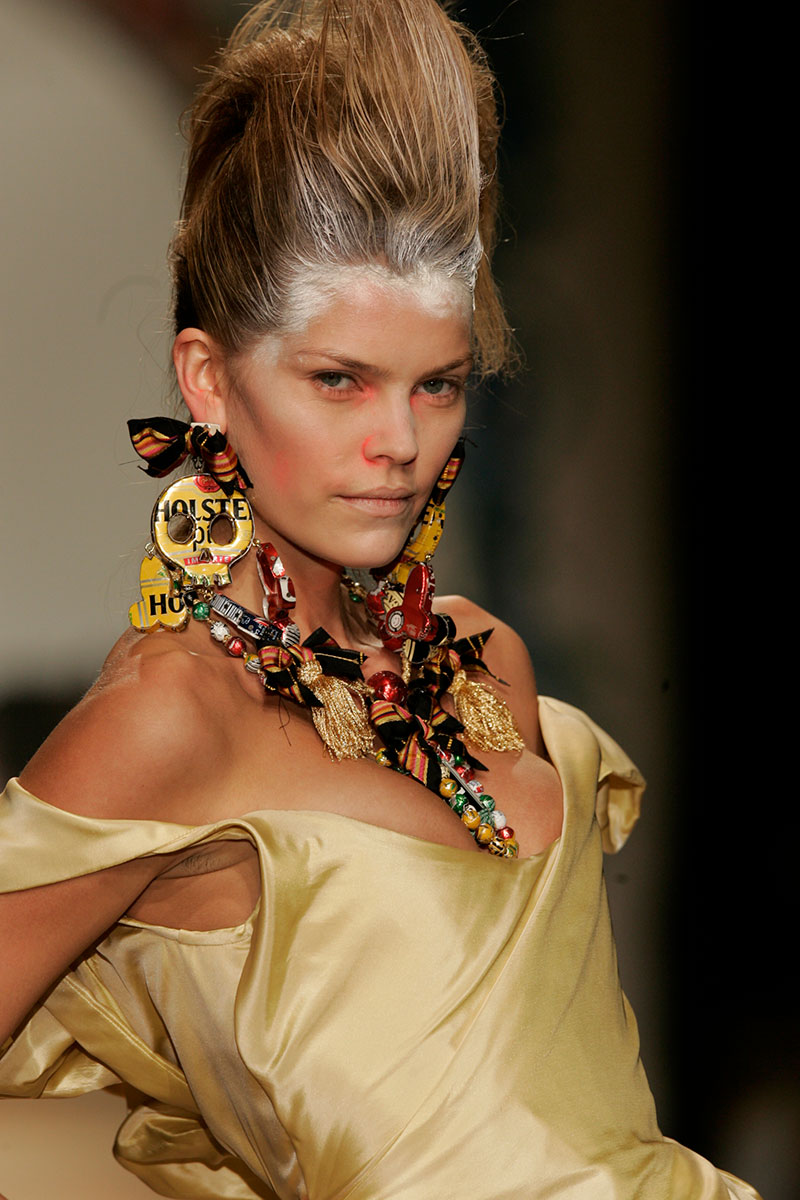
206, 829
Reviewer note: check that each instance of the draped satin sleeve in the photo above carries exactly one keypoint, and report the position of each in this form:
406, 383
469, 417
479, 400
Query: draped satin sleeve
619, 787
80, 1038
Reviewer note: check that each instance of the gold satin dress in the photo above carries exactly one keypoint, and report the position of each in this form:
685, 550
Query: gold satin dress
397, 1020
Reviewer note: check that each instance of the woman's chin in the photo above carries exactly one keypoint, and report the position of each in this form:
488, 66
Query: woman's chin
367, 554
367, 562
358, 549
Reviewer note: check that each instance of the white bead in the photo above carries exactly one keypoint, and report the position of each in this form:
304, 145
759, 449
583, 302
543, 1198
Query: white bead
219, 631
499, 820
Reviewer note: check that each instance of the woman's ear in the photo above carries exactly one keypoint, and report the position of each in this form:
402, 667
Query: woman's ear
200, 368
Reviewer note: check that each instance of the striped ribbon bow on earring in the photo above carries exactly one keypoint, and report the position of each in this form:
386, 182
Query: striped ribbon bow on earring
165, 443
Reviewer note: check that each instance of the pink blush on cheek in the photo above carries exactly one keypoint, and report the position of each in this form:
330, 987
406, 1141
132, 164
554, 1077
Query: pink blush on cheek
283, 472
369, 394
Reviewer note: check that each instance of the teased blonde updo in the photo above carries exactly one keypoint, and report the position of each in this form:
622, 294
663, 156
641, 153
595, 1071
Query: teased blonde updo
338, 133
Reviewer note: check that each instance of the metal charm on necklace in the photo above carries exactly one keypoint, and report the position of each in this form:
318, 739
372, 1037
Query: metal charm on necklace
279, 594
257, 629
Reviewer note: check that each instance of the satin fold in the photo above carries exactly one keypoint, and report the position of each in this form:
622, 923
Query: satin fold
397, 1020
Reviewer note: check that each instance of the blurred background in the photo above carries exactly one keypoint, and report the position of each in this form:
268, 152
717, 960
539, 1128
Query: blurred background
587, 514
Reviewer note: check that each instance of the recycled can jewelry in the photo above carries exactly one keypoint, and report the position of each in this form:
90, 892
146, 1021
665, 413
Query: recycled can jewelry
198, 532
256, 628
201, 525
465, 795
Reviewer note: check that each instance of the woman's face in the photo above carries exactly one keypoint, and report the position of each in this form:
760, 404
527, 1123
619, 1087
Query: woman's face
345, 425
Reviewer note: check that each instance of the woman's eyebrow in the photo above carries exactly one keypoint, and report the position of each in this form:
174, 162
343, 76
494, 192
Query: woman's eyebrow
343, 360
354, 364
466, 361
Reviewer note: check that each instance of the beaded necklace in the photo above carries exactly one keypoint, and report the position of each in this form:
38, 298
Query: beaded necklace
349, 711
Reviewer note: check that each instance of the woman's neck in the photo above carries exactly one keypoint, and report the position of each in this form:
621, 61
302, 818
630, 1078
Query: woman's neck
321, 598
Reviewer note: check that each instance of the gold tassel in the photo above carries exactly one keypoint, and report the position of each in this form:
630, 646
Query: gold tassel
488, 721
341, 722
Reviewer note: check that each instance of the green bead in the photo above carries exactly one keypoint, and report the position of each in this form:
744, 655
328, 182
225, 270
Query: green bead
354, 596
201, 611
458, 760
458, 802
486, 803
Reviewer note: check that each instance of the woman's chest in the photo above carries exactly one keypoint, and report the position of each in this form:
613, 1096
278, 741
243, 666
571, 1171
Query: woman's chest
276, 761
280, 762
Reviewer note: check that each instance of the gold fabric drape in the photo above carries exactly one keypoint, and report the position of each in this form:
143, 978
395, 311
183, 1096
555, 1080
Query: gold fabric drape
397, 1020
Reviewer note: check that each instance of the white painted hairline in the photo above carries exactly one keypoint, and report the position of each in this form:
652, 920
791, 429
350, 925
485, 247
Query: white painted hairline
314, 289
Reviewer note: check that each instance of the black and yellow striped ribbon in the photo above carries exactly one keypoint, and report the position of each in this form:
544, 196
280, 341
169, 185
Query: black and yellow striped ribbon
164, 443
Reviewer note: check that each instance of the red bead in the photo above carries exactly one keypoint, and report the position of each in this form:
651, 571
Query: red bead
235, 647
505, 833
466, 772
388, 686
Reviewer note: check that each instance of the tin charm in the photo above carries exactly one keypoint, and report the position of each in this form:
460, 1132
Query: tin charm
198, 533
201, 531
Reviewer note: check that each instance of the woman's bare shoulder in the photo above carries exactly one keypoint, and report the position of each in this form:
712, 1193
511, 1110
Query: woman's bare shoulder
121, 753
506, 656
133, 732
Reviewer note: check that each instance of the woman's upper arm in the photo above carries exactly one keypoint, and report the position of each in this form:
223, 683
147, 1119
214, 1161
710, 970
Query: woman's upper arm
119, 755
44, 929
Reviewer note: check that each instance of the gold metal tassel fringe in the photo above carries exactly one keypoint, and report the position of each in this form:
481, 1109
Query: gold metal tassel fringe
487, 719
341, 722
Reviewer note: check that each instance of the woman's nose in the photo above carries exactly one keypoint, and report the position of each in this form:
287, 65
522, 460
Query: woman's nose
391, 431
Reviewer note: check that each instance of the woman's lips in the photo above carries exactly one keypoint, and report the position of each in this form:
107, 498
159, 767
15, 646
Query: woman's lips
381, 503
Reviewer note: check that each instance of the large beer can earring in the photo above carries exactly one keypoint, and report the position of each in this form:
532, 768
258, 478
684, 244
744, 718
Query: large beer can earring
198, 533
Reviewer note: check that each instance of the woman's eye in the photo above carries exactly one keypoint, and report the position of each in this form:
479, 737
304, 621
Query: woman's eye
337, 381
439, 387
